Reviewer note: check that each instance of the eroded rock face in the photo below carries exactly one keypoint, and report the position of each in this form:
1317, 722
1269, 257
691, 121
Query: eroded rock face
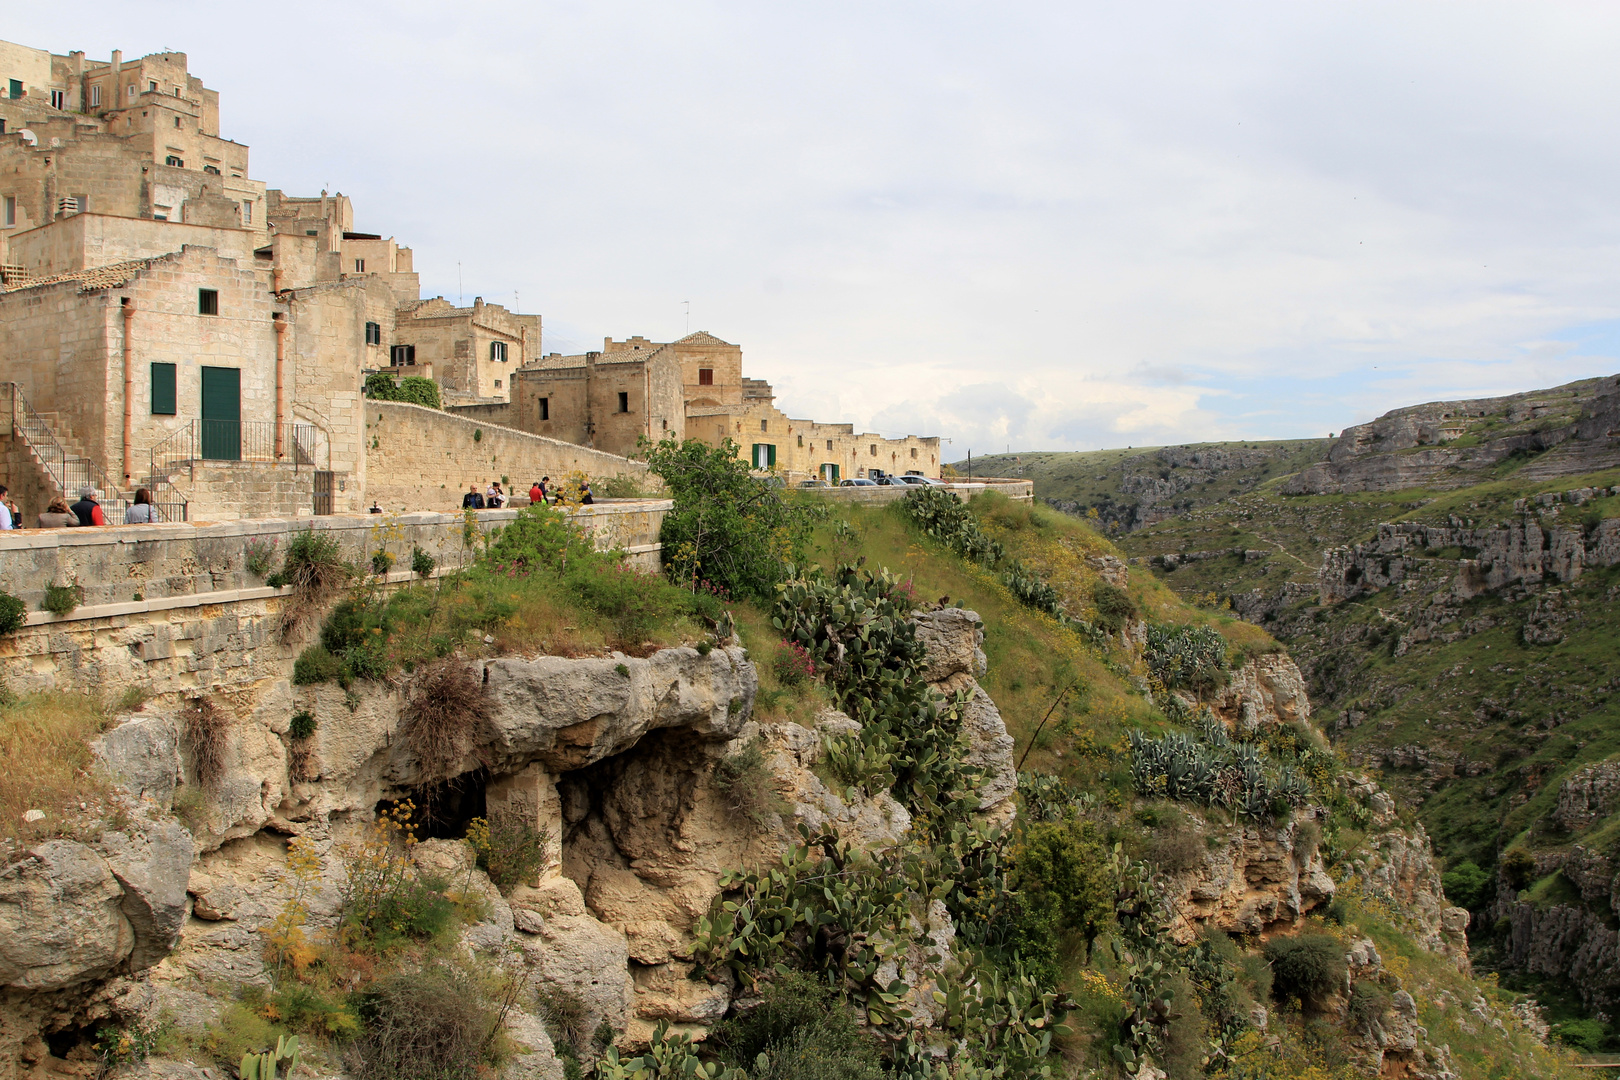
1401, 869
61, 918
1254, 879
1267, 690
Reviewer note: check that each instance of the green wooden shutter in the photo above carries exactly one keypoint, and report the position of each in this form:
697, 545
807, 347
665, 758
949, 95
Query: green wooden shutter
163, 389
770, 455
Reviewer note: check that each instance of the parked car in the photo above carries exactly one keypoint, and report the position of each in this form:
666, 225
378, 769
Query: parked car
857, 482
814, 484
891, 481
919, 480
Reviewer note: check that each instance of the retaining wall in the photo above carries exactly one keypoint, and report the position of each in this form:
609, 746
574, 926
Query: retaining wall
423, 459
1016, 490
202, 618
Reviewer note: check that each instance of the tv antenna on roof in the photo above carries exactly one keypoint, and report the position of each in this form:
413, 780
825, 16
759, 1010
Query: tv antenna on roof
688, 304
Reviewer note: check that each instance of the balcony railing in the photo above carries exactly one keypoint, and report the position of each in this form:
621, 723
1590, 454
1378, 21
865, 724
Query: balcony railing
303, 446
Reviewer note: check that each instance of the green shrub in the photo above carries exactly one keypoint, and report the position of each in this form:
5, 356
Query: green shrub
727, 527
510, 851
624, 486
1518, 869
791, 1002
1186, 657
302, 725
316, 665
259, 556
62, 599
636, 601
1060, 868
1586, 1035
745, 779
1466, 884
13, 613
316, 569
1368, 1001
1114, 606
1308, 967
435, 1023
792, 664
412, 389
422, 564
832, 1048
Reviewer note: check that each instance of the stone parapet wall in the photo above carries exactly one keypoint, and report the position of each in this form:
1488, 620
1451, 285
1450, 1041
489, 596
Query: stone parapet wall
423, 459
230, 490
1016, 490
202, 619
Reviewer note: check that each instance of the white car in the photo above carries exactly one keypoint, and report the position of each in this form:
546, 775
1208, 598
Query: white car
857, 482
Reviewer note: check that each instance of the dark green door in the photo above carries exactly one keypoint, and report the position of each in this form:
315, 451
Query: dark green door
222, 414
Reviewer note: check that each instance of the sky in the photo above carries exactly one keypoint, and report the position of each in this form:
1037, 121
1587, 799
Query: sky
1036, 226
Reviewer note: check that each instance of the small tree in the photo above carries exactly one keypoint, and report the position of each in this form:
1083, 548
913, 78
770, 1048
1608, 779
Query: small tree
728, 527
412, 389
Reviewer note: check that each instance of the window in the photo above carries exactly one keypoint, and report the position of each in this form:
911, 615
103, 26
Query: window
163, 389
829, 444
801, 440
497, 351
624, 401
177, 124
2, 125
16, 88
914, 452
95, 95
208, 301
373, 333
545, 408
764, 425
874, 449
214, 169
764, 455
497, 384
310, 232
58, 99
359, 266
132, 91
402, 355
176, 162
151, 87
705, 376
247, 211
11, 210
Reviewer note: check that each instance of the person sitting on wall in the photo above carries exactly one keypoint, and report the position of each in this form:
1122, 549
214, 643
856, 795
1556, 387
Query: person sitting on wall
58, 516
11, 508
585, 498
494, 497
7, 519
88, 510
472, 500
537, 494
142, 512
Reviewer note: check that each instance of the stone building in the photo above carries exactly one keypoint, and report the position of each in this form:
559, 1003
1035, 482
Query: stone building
471, 352
695, 388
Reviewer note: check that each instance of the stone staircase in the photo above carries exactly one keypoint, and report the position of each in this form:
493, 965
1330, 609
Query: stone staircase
61, 466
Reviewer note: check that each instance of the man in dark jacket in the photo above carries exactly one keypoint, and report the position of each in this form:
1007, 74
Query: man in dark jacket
472, 500
87, 510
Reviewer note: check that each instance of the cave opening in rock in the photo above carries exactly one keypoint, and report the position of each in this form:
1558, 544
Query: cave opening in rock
442, 810
63, 1042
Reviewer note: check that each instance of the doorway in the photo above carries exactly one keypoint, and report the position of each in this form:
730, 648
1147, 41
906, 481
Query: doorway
222, 414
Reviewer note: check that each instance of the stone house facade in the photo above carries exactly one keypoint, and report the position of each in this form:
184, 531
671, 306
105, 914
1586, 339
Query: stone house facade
471, 352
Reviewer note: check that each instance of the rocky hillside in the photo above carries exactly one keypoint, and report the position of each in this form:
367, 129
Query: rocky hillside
1455, 635
1008, 809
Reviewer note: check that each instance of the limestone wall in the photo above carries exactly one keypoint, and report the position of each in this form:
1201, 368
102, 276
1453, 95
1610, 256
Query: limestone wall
173, 607
1016, 490
423, 459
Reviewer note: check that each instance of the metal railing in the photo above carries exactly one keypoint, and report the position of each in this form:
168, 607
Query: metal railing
71, 473
303, 446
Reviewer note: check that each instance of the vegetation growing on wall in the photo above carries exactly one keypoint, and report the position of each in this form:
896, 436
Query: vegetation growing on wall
412, 389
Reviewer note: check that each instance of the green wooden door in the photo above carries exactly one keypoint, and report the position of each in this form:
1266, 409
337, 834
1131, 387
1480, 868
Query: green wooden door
222, 414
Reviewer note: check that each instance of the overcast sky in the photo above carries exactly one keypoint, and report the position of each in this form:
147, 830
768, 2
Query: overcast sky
1043, 225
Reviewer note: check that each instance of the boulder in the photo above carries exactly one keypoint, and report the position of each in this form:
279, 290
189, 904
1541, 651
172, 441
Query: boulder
61, 918
153, 866
142, 755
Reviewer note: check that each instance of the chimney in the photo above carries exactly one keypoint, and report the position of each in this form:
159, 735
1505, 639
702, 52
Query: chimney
117, 78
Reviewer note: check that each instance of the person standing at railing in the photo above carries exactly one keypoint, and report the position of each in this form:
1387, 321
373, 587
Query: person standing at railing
87, 509
142, 512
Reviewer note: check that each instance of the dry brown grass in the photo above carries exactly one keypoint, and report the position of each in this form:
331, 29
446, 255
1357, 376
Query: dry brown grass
45, 743
444, 712
206, 734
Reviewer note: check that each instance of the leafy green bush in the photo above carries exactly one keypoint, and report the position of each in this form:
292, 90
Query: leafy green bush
749, 786
1114, 606
728, 527
412, 389
13, 613
1368, 1001
1465, 885
1518, 869
259, 556
510, 851
62, 599
1308, 967
316, 665
435, 1023
1061, 869
303, 724
422, 563
790, 1002
1587, 1035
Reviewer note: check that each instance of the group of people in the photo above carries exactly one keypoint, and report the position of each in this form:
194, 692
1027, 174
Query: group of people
86, 512
493, 498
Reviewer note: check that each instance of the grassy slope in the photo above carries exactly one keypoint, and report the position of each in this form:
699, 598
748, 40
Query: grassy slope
1031, 658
